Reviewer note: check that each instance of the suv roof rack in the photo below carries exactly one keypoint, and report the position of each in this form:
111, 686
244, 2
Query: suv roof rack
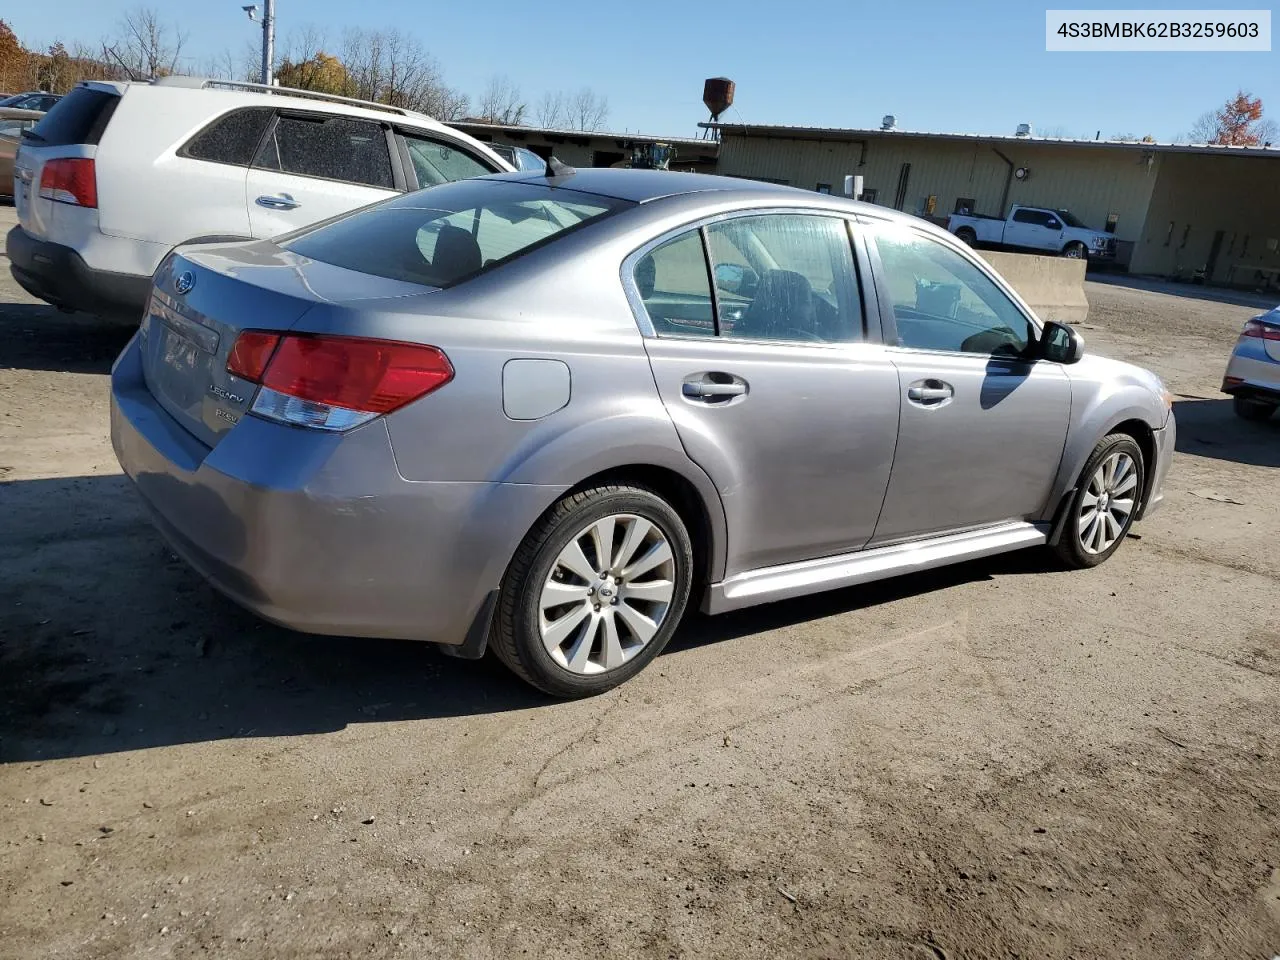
206, 83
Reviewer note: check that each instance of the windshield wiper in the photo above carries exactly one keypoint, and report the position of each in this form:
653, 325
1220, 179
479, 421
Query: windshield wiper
32, 135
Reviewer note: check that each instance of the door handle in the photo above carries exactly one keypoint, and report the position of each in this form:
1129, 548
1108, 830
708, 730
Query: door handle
930, 391
713, 387
281, 202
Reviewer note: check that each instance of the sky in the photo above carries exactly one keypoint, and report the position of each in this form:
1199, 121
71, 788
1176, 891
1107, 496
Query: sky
937, 65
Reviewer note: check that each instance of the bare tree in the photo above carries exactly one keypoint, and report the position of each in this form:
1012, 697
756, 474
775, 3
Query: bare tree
551, 109
1205, 129
502, 101
393, 67
587, 110
146, 45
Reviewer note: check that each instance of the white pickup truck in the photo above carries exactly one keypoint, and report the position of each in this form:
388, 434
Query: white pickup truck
1035, 228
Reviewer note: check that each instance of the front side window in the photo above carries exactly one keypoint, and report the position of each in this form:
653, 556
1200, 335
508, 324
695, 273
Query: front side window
785, 277
332, 148
436, 163
942, 301
446, 234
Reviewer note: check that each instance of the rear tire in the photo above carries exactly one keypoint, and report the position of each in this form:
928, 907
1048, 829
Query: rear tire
1106, 500
595, 591
1247, 409
967, 236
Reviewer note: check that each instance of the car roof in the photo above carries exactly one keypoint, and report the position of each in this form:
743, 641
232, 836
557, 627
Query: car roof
640, 186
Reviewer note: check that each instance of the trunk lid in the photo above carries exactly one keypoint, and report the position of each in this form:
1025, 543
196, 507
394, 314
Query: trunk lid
205, 295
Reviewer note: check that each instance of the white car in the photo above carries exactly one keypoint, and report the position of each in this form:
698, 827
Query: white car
119, 174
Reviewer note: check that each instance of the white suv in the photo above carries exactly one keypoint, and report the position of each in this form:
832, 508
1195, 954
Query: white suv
118, 174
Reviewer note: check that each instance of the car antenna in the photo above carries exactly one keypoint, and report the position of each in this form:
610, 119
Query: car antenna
557, 169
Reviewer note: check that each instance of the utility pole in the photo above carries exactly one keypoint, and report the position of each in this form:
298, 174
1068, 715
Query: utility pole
268, 39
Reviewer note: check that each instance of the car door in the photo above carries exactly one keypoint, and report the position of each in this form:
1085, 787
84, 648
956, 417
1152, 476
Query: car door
1026, 228
983, 425
770, 380
312, 166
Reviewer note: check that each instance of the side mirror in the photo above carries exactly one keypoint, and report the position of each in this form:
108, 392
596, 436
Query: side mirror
1054, 225
730, 277
1060, 343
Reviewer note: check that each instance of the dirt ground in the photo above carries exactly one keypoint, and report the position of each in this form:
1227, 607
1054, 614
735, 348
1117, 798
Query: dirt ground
995, 760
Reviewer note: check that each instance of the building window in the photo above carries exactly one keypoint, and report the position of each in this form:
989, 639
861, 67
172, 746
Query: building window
1168, 237
1185, 234
868, 195
965, 206
824, 188
1112, 220
931, 205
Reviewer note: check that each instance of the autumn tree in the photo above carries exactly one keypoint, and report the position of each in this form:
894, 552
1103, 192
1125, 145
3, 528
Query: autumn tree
15, 62
322, 73
1237, 123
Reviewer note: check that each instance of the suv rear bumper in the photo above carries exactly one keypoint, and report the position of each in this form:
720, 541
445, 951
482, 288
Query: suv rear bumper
59, 275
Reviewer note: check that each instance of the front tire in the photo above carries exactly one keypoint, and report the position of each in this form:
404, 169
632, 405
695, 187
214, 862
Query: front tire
1247, 409
1074, 251
1105, 502
595, 591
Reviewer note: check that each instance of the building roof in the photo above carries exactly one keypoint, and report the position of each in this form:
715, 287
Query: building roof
787, 132
473, 123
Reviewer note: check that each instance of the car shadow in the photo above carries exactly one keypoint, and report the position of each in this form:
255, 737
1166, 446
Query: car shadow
1210, 428
1260, 299
109, 643
36, 336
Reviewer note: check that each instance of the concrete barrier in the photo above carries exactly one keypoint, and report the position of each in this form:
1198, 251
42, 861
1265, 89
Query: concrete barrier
1053, 286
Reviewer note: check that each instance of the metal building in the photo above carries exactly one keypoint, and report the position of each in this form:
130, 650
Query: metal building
580, 148
1175, 208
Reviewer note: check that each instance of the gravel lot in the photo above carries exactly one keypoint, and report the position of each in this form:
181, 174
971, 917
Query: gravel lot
995, 760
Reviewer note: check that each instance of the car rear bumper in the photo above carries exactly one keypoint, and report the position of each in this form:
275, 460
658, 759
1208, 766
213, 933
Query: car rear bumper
318, 532
1252, 373
59, 275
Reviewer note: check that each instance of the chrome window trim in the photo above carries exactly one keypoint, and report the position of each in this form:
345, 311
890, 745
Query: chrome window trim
641, 315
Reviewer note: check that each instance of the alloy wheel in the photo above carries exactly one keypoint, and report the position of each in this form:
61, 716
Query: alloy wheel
608, 593
1108, 503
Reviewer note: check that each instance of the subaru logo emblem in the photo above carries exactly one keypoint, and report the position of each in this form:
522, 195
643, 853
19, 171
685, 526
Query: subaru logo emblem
186, 280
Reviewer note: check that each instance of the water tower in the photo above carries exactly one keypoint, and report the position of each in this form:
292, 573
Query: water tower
717, 94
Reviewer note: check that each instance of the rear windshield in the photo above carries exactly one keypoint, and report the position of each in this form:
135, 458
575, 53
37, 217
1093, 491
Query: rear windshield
79, 117
443, 235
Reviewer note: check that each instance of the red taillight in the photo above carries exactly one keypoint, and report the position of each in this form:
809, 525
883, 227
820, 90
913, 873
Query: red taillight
1263, 331
250, 354
70, 180
335, 382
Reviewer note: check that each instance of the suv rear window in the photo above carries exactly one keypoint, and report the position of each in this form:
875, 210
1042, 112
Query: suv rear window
79, 117
446, 234
232, 138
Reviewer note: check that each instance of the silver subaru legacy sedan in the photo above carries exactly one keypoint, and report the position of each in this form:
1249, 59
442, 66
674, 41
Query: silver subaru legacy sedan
546, 414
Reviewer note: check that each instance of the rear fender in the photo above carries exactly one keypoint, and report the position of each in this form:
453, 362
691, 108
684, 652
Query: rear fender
591, 447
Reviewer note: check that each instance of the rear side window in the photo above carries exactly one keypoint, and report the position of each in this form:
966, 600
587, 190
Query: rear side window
1036, 217
79, 117
232, 138
443, 235
333, 148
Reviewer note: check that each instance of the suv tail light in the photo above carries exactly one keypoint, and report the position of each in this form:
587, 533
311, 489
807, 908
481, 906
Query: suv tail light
70, 180
334, 383
1263, 331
